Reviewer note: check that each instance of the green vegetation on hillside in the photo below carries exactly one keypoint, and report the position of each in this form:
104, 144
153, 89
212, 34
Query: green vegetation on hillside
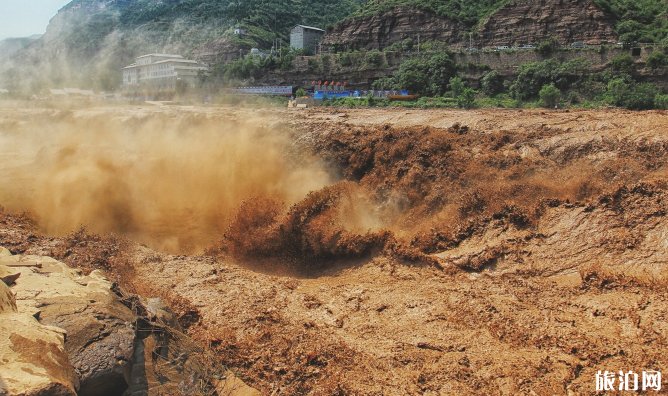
638, 20
269, 16
635, 20
467, 12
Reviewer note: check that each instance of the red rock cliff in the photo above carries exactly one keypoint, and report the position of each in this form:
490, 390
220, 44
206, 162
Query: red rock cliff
519, 22
380, 31
530, 22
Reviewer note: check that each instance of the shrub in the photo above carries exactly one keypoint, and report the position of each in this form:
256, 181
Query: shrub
623, 63
412, 76
456, 86
325, 60
313, 65
546, 47
383, 83
492, 83
300, 92
632, 96
466, 99
573, 97
374, 58
656, 60
531, 77
346, 59
440, 68
242, 69
549, 96
661, 102
430, 76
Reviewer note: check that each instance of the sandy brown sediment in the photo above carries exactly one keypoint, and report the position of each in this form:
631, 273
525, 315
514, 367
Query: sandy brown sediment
507, 252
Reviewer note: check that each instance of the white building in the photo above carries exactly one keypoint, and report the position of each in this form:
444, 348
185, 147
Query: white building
162, 71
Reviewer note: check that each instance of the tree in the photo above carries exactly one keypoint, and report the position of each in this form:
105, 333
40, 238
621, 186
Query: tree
427, 77
457, 86
623, 63
640, 97
384, 83
661, 102
374, 58
531, 77
492, 83
412, 76
300, 92
549, 95
632, 95
441, 69
656, 60
546, 47
466, 99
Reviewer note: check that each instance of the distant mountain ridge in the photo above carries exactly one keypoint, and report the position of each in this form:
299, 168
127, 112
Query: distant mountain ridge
11, 45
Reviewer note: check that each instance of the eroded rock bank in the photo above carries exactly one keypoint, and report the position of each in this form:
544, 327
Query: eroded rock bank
92, 332
66, 333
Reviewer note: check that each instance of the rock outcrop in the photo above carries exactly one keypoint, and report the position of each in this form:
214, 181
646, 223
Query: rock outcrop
519, 22
63, 333
380, 31
99, 329
33, 360
530, 22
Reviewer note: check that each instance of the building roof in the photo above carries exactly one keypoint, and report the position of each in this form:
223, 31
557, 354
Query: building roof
57, 92
174, 60
309, 27
161, 55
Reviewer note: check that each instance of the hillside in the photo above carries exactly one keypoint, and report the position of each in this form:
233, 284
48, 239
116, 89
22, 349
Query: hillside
466, 12
88, 41
11, 45
380, 23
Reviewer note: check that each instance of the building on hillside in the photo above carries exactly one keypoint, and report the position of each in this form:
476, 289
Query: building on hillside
239, 31
161, 72
305, 37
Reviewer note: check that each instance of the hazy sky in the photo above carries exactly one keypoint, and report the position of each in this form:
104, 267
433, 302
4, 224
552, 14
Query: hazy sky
21, 18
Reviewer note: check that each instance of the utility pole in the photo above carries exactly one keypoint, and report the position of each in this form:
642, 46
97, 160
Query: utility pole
418, 43
470, 41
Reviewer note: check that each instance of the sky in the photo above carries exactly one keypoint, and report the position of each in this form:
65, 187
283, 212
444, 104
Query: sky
22, 18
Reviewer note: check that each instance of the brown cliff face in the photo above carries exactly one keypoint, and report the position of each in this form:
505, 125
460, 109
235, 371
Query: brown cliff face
519, 22
530, 22
380, 31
